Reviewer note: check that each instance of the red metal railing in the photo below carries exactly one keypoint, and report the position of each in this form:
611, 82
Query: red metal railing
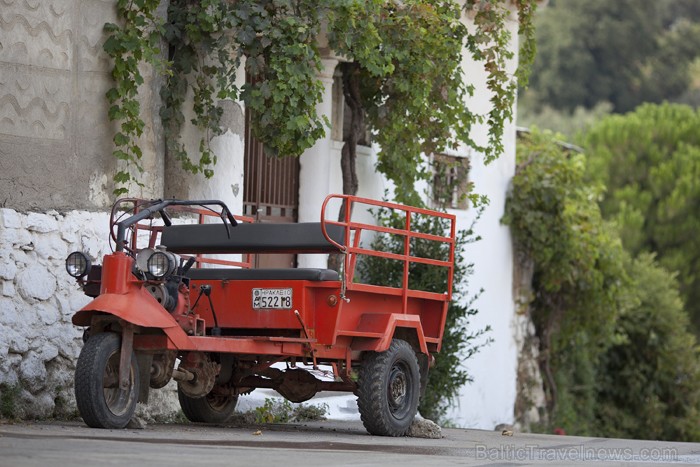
131, 206
354, 246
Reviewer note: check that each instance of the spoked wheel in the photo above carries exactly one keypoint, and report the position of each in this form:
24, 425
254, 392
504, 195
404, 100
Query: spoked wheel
212, 408
389, 389
101, 402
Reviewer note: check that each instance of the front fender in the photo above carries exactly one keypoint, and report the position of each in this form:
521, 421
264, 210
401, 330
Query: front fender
136, 306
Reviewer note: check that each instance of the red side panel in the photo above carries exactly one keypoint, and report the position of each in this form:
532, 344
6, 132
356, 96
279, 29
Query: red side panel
233, 303
378, 329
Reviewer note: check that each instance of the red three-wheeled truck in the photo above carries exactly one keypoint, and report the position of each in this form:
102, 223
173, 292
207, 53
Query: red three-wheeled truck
177, 299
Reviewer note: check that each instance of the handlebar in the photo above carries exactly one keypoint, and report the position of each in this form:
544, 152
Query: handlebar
159, 207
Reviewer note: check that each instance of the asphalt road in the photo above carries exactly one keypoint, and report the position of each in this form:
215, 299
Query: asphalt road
325, 444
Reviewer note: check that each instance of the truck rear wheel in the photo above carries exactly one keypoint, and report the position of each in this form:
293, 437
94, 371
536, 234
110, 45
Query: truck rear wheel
212, 408
100, 400
389, 389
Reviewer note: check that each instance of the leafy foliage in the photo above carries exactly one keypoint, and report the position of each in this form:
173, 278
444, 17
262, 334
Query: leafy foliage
209, 41
617, 358
283, 411
412, 82
578, 272
554, 218
624, 52
396, 84
649, 378
459, 342
9, 400
650, 161
128, 45
408, 56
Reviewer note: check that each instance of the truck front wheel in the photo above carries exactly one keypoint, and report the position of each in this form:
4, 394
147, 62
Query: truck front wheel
389, 389
100, 400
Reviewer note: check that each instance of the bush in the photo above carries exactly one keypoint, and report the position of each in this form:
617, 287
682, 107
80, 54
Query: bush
649, 161
650, 376
616, 354
578, 271
282, 411
459, 343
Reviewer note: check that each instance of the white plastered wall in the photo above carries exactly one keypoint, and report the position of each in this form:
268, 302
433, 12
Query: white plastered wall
490, 399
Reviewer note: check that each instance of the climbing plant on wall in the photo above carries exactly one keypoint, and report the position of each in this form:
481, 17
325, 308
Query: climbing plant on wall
133, 42
616, 354
406, 58
578, 267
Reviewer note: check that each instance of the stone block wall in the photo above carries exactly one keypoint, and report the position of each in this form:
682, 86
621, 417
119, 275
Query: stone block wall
38, 343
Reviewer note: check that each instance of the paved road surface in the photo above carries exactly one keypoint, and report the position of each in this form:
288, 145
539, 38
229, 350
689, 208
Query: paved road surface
325, 444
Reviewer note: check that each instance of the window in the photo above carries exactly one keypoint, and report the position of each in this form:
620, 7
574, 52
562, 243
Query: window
450, 181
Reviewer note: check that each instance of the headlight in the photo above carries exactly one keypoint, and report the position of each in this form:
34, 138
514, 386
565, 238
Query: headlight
77, 264
142, 259
161, 263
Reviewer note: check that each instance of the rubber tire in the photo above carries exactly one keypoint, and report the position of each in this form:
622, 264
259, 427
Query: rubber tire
206, 409
398, 365
102, 407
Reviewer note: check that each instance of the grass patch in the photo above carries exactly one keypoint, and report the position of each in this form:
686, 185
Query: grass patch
282, 411
9, 400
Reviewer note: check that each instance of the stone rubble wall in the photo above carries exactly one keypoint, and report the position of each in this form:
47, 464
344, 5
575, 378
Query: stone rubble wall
530, 403
39, 345
38, 342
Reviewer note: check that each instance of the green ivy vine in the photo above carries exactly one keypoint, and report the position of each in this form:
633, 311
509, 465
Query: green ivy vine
135, 41
407, 56
209, 41
489, 44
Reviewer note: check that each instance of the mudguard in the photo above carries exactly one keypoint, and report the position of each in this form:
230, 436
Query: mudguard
386, 325
137, 307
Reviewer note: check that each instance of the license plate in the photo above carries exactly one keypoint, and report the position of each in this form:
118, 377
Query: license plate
267, 299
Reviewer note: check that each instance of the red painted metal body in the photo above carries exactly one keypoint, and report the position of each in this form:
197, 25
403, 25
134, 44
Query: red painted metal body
329, 321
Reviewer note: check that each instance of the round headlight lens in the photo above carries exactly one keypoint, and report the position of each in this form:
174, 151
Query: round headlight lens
160, 264
77, 264
142, 258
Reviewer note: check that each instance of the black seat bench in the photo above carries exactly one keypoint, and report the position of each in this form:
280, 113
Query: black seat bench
282, 274
304, 237
254, 238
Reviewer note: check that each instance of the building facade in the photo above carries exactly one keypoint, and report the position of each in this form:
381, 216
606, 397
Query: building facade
56, 173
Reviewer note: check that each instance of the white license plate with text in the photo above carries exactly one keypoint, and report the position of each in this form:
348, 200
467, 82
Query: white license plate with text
266, 299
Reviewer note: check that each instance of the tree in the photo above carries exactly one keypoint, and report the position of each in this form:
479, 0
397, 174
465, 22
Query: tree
649, 378
404, 75
624, 52
577, 264
616, 355
650, 162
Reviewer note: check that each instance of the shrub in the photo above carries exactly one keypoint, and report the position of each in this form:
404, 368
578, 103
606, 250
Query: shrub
650, 376
459, 342
617, 356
